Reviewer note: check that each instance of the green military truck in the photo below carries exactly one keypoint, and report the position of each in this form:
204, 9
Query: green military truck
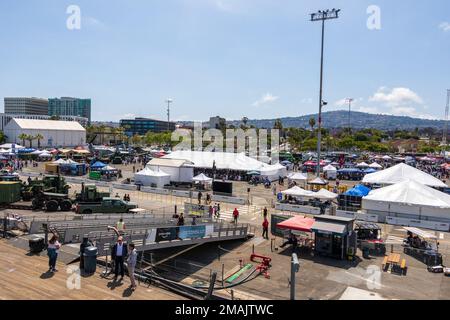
107, 205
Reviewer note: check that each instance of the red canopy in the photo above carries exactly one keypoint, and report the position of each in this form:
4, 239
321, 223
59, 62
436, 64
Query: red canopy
298, 223
314, 163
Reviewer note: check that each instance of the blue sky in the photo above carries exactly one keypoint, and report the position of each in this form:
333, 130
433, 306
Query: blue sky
234, 58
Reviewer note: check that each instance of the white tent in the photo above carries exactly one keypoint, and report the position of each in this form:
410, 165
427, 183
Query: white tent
330, 172
226, 160
386, 158
326, 195
400, 173
409, 198
362, 165
60, 161
297, 176
108, 168
273, 172
10, 145
329, 168
318, 181
45, 154
148, 177
201, 178
375, 166
37, 152
297, 192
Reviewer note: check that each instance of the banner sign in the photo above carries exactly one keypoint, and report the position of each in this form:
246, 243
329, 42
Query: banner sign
192, 232
166, 234
198, 210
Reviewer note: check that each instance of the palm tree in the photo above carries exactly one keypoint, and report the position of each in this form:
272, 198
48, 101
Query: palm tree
30, 139
23, 137
39, 137
312, 123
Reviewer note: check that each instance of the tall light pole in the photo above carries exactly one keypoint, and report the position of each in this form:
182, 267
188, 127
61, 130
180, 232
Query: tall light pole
322, 16
168, 101
444, 138
350, 100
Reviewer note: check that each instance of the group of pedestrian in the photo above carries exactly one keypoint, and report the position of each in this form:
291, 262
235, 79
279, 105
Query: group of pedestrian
119, 253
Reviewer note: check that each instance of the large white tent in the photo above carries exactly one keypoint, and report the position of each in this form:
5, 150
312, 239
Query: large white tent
227, 161
325, 194
273, 172
400, 173
410, 199
297, 192
55, 133
148, 177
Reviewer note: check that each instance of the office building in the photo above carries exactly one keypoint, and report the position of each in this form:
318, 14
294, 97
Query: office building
28, 106
66, 106
143, 125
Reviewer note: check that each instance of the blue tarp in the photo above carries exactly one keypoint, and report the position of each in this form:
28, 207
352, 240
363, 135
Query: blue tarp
26, 150
358, 191
370, 170
98, 165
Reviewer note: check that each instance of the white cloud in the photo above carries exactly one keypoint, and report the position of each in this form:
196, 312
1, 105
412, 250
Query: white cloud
445, 26
267, 98
93, 22
396, 97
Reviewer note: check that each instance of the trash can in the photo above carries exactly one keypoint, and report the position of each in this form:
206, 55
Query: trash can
37, 244
90, 260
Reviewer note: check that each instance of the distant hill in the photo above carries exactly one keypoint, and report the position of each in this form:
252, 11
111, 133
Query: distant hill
359, 120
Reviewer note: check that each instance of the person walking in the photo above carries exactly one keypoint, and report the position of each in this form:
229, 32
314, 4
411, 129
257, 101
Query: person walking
200, 197
131, 262
265, 212
119, 252
52, 252
180, 220
235, 215
265, 226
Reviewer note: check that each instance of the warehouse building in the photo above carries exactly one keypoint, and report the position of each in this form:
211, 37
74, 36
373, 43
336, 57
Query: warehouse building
55, 133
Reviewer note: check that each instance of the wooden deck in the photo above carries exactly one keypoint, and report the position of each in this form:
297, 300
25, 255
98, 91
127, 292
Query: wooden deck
25, 277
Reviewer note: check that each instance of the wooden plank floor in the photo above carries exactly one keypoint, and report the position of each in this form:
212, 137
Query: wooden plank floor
25, 277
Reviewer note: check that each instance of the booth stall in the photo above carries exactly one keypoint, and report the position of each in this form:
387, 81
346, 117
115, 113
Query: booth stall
148, 177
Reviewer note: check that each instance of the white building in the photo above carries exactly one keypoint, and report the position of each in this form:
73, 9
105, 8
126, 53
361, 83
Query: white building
55, 133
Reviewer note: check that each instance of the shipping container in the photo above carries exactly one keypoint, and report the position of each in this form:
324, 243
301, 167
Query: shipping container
10, 192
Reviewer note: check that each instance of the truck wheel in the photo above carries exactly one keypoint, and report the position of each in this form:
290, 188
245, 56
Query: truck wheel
66, 205
36, 204
52, 206
87, 211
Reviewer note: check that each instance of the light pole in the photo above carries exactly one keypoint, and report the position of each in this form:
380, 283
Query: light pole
350, 100
169, 101
322, 16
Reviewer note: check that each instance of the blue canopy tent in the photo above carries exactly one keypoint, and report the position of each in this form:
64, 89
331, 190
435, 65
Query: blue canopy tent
370, 170
97, 165
358, 191
349, 171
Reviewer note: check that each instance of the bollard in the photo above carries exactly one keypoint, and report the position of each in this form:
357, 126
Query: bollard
223, 271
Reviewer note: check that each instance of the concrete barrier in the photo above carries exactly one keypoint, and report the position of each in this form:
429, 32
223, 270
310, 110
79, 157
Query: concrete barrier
155, 190
297, 208
234, 200
425, 224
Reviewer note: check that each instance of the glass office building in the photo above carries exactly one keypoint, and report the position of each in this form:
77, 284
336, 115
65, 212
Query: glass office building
143, 125
70, 107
